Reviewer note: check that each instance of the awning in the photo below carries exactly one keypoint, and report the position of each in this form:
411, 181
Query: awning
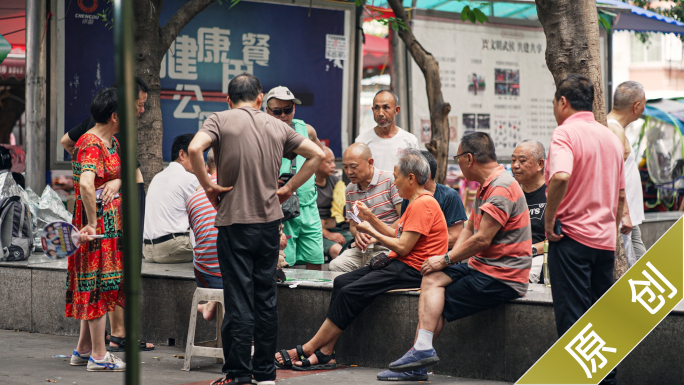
629, 17
633, 18
375, 52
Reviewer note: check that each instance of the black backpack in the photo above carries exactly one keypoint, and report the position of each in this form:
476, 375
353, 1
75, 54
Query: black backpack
16, 230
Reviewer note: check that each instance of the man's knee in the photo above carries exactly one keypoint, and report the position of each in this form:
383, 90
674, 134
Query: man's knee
334, 250
434, 280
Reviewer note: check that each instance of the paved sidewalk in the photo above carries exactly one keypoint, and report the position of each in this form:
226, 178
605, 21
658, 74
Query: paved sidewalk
29, 358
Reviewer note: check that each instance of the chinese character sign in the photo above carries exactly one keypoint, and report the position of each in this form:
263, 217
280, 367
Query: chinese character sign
619, 320
280, 44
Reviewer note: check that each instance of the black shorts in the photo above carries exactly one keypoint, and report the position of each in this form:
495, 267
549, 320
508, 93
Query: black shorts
472, 292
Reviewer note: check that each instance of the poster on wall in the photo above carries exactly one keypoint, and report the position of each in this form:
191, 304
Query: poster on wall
494, 77
280, 44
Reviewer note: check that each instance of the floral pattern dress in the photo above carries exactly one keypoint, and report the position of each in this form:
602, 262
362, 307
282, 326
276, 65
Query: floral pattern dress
94, 283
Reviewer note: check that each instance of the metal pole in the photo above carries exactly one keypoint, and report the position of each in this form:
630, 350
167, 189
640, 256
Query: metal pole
35, 96
132, 244
398, 73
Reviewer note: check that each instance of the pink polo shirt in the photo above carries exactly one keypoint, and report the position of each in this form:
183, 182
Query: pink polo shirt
592, 155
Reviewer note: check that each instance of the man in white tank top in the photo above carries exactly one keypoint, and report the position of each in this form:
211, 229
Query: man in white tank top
628, 105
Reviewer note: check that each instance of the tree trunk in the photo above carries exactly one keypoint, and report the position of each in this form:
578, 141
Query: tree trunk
12, 105
152, 41
439, 109
572, 44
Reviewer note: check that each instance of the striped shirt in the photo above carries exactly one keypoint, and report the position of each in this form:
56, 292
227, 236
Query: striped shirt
381, 196
202, 215
509, 257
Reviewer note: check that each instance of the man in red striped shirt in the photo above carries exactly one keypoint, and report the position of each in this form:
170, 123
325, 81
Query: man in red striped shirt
498, 242
202, 215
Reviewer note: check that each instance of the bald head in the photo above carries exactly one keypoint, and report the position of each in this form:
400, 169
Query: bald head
328, 152
358, 150
358, 164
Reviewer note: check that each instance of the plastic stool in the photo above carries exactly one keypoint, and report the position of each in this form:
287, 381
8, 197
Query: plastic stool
209, 348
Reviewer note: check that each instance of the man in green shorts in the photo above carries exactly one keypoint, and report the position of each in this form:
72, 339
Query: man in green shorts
306, 242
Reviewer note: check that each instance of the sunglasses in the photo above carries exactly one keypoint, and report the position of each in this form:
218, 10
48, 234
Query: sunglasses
279, 111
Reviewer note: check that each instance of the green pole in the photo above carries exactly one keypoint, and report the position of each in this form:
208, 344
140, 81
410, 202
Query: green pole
132, 244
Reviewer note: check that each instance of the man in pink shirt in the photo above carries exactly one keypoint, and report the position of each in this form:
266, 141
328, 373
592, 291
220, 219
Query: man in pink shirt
586, 193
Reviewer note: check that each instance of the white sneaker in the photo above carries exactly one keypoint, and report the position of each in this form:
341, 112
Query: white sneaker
263, 382
79, 359
109, 363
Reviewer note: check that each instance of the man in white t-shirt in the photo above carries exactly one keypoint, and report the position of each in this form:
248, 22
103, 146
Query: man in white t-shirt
166, 236
628, 105
386, 141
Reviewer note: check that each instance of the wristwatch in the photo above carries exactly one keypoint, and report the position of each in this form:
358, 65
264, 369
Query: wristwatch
447, 260
534, 251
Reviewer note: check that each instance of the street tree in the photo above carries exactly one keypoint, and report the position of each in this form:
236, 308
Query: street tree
151, 43
572, 43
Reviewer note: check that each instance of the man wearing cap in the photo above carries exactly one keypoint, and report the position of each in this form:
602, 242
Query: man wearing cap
306, 244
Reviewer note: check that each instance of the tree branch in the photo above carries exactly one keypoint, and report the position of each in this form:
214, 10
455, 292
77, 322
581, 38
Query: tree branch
180, 19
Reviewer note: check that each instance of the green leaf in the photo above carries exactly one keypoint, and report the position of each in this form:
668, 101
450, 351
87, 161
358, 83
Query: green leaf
472, 17
481, 17
604, 22
358, 3
234, 3
395, 27
464, 13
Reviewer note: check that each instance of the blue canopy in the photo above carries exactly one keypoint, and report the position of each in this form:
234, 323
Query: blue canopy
637, 19
629, 17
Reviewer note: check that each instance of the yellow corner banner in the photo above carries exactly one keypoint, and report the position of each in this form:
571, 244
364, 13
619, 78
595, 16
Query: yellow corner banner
619, 320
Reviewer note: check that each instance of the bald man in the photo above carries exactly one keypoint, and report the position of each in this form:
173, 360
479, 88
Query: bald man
376, 189
387, 140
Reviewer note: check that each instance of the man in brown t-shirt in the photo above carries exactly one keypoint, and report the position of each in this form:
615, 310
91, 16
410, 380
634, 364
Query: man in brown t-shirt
249, 146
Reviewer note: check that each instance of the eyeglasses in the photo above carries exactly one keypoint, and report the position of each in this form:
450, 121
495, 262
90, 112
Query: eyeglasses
279, 111
467, 152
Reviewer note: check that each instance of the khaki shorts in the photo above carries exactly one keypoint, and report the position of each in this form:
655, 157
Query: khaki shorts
175, 250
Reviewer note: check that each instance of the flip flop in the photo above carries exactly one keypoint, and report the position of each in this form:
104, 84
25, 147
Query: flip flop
121, 341
287, 362
323, 362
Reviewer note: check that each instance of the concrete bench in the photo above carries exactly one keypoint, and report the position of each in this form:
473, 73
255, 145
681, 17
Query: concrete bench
498, 344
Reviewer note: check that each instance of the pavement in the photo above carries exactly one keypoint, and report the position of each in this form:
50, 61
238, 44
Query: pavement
32, 358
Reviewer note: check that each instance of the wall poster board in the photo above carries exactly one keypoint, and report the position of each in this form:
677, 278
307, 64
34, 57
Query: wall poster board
309, 50
495, 78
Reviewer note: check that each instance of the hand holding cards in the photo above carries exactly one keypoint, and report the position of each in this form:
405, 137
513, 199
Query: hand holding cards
354, 214
61, 239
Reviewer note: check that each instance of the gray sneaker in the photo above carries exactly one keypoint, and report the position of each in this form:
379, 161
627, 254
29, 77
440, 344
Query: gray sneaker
79, 359
110, 363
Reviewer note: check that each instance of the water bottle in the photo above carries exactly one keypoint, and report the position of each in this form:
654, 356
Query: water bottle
547, 278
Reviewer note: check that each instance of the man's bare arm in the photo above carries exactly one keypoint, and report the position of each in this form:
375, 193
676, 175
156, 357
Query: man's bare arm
67, 143
620, 133
313, 136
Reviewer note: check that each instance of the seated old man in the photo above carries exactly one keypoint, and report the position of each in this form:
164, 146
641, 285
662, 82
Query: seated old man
420, 233
376, 189
527, 165
448, 199
202, 215
498, 242
331, 202
166, 238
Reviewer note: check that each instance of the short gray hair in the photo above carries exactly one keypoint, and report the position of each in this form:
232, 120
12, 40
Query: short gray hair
538, 151
396, 98
626, 94
413, 162
211, 161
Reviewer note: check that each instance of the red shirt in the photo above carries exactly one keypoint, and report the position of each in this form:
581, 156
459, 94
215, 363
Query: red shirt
508, 257
593, 156
423, 216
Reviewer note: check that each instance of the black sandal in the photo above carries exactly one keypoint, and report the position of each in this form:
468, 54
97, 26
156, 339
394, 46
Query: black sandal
287, 362
323, 362
121, 341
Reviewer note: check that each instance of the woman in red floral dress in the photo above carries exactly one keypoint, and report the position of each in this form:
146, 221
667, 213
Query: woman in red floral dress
95, 272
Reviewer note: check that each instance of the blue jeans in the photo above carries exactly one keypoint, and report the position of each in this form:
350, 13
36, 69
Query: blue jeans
208, 281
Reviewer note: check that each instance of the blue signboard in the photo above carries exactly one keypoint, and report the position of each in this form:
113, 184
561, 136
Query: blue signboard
280, 44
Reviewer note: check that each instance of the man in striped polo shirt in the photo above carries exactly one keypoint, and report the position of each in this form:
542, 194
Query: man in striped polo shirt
376, 189
202, 215
498, 242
